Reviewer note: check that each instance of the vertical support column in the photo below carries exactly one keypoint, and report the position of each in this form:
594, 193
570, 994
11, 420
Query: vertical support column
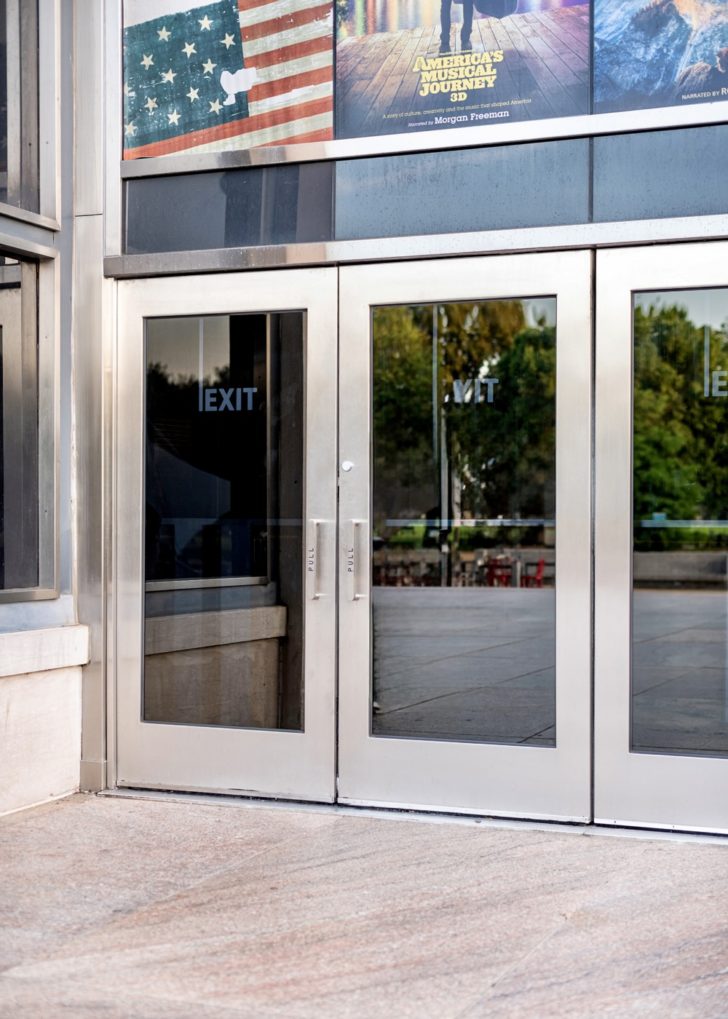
92, 328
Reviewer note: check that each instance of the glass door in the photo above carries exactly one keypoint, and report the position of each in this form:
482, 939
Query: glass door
661, 637
225, 533
464, 577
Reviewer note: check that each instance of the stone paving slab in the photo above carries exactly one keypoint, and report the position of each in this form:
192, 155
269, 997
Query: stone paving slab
152, 909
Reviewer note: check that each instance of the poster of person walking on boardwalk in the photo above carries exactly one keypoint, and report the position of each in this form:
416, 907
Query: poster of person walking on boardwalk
659, 53
413, 65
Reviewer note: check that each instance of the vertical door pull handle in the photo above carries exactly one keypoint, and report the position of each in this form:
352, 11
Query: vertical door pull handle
352, 559
313, 547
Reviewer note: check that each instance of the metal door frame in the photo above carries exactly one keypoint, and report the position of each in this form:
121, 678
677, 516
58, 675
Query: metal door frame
639, 789
511, 781
295, 765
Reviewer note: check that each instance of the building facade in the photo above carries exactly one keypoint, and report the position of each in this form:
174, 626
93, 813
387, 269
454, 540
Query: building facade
363, 404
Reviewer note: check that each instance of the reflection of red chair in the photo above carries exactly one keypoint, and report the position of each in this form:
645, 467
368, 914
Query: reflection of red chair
499, 572
534, 579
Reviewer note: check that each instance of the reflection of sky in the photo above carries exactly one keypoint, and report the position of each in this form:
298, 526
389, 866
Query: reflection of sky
707, 307
365, 17
540, 312
184, 345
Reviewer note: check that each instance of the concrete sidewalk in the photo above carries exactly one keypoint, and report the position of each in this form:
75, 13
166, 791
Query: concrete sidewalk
115, 907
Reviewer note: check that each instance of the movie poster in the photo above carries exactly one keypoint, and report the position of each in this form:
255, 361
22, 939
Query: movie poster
215, 75
417, 65
659, 53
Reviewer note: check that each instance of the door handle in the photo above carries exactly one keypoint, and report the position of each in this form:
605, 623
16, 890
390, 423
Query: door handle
352, 559
313, 546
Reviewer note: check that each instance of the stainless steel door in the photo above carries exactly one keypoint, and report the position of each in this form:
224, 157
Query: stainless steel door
225, 517
661, 625
464, 558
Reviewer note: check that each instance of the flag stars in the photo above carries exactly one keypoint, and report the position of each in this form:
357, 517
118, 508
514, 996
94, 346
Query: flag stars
193, 95
147, 61
130, 129
215, 107
205, 24
189, 48
208, 67
163, 34
173, 118
228, 41
169, 76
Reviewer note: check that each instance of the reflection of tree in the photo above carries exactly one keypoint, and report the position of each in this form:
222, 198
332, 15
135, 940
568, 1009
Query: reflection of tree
175, 424
499, 457
680, 453
402, 412
206, 479
503, 453
474, 336
168, 405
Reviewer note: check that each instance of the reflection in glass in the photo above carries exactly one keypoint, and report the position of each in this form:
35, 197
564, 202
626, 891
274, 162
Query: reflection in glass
648, 175
19, 103
289, 204
679, 659
19, 522
223, 534
464, 521
422, 192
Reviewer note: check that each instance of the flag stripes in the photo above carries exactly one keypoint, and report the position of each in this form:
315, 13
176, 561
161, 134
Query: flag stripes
263, 29
269, 10
273, 58
261, 128
289, 46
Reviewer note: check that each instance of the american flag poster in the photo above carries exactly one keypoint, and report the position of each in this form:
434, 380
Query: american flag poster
226, 74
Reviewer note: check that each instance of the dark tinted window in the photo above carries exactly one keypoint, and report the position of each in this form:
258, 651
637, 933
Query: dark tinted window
18, 426
654, 174
231, 209
661, 173
510, 186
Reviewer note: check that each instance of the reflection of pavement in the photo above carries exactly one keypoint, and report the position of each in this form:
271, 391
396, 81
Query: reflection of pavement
679, 671
473, 664
478, 664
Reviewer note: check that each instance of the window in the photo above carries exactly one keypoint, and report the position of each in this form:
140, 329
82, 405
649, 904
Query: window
23, 519
19, 103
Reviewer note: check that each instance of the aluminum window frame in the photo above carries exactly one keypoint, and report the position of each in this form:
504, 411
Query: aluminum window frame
32, 237
45, 325
390, 249
478, 136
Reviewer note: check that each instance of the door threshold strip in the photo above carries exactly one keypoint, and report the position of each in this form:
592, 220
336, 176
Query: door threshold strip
420, 816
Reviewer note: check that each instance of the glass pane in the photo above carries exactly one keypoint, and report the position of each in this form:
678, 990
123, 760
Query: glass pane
224, 533
18, 426
464, 521
244, 208
19, 103
653, 175
679, 659
474, 189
